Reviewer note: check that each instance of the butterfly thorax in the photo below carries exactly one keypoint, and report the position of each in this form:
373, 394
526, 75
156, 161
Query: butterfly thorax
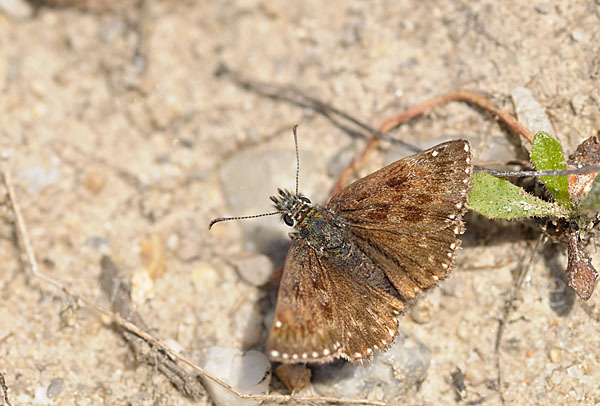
317, 225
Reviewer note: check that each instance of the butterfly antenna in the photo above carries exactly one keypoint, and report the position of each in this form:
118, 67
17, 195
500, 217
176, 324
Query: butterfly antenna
219, 219
297, 156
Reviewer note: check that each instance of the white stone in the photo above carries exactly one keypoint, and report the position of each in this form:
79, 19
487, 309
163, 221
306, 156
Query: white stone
255, 269
530, 112
18, 9
386, 378
249, 373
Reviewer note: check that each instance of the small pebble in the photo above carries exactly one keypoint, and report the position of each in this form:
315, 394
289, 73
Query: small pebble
475, 373
463, 331
18, 9
425, 309
249, 373
204, 277
97, 242
142, 286
38, 177
174, 345
152, 251
387, 377
554, 355
55, 387
254, 269
421, 313
247, 325
294, 376
68, 316
543, 8
577, 35
94, 181
530, 112
252, 175
40, 396
111, 30
452, 287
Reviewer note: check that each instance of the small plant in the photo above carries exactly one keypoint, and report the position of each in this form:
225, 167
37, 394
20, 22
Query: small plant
574, 209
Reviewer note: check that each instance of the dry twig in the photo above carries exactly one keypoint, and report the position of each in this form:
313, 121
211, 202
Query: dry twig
4, 390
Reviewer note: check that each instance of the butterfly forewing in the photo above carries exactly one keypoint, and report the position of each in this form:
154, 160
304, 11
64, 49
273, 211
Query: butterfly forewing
406, 216
419, 194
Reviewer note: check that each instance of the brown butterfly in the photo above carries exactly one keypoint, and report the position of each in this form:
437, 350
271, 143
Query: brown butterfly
362, 259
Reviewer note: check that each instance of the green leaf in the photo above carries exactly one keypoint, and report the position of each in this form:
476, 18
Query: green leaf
498, 198
547, 155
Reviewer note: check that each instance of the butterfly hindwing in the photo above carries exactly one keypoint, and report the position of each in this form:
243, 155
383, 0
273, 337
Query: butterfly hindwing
306, 323
314, 320
369, 320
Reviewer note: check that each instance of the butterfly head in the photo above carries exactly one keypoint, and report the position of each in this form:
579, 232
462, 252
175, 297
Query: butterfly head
293, 207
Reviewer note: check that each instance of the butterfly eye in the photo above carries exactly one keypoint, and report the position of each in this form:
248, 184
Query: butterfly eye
287, 219
305, 199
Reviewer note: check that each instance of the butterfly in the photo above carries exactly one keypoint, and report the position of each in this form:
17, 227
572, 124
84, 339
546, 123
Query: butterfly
363, 258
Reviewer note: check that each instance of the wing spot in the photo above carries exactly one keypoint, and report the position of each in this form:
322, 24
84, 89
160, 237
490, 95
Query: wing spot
452, 246
467, 170
468, 160
459, 205
392, 332
416, 289
285, 355
315, 354
383, 343
304, 355
295, 356
434, 153
466, 147
337, 345
456, 230
452, 217
357, 355
274, 354
466, 180
278, 324
449, 255
375, 347
369, 350
445, 266
435, 278
326, 352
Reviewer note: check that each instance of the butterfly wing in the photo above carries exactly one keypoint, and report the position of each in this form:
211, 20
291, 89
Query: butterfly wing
306, 323
406, 216
314, 319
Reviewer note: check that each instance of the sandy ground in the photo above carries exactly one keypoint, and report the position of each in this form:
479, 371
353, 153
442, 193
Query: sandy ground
119, 131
